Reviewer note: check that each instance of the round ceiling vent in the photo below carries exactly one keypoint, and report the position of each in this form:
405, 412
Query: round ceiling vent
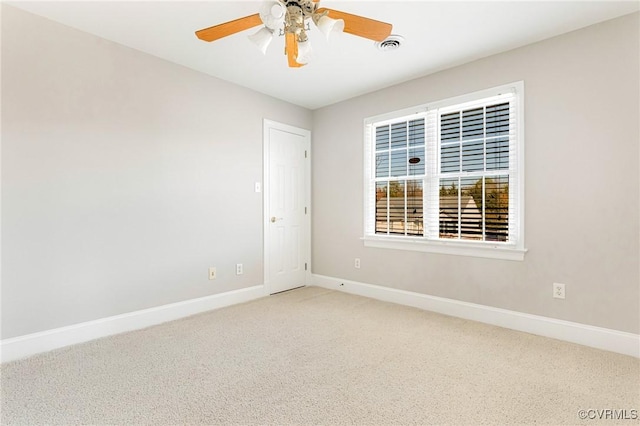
393, 42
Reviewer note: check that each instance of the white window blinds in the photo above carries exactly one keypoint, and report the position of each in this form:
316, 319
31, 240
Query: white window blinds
448, 171
399, 174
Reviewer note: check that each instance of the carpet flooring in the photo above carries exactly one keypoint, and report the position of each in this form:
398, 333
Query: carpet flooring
313, 356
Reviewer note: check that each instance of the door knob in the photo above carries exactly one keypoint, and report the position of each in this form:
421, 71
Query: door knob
274, 219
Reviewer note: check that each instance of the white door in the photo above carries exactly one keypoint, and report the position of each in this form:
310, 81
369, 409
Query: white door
287, 224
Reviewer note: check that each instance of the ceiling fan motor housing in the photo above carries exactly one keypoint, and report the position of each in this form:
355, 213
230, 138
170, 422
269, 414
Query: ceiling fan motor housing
297, 12
307, 7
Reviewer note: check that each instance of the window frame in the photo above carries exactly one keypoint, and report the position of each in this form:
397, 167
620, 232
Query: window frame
511, 250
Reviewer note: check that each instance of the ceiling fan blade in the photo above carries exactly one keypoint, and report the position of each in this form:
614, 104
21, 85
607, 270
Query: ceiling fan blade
218, 31
291, 49
361, 26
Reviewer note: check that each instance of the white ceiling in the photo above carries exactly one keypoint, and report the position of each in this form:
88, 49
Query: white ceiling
438, 35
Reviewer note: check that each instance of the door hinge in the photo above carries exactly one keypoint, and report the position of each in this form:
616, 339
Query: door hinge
305, 210
305, 153
305, 266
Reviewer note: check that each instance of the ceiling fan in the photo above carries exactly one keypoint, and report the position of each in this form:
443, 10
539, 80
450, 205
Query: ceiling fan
291, 18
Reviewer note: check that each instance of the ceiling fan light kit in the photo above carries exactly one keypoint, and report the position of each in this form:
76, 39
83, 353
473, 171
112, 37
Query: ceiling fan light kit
262, 39
272, 14
304, 52
292, 17
328, 25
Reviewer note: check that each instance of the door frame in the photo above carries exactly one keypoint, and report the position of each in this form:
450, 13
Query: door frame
306, 250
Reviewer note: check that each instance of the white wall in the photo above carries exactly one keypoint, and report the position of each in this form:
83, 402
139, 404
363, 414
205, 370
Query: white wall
582, 183
124, 177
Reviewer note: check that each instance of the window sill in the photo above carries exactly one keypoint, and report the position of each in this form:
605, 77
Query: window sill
446, 247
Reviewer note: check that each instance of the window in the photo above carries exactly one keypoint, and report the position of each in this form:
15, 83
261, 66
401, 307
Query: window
400, 171
448, 176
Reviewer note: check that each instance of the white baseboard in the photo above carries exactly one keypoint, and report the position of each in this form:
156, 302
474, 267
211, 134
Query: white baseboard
31, 344
587, 335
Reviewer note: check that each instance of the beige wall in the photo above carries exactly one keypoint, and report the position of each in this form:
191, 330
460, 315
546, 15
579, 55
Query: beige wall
582, 183
124, 177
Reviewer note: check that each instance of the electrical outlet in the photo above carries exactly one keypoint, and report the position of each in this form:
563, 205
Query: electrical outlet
558, 291
212, 273
357, 263
239, 270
